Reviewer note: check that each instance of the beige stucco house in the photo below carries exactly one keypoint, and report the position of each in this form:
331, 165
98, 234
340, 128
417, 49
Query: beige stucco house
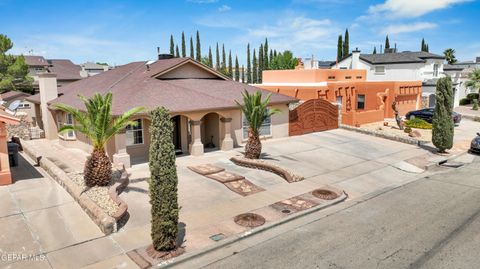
201, 102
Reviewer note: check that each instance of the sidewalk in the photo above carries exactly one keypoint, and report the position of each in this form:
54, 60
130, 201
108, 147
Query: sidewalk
467, 112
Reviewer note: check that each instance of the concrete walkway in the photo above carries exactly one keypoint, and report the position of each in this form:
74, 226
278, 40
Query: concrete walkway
429, 223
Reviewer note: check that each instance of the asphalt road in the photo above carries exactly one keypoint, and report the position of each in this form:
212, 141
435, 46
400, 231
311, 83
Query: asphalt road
430, 223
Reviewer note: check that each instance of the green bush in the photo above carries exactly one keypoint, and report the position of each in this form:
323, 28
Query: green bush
442, 131
407, 130
163, 182
418, 123
472, 96
465, 101
475, 104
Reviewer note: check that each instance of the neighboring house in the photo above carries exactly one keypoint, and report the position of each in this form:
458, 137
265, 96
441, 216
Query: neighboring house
200, 100
360, 101
91, 69
66, 70
459, 73
311, 63
25, 107
399, 66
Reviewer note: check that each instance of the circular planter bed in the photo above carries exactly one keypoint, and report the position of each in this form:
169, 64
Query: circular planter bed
325, 194
266, 166
249, 220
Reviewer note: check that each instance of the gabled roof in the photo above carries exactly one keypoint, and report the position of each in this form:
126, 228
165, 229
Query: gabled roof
35, 60
12, 95
65, 69
398, 57
136, 84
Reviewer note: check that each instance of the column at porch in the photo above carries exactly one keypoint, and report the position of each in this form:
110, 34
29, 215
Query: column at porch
5, 176
196, 148
419, 99
225, 128
121, 156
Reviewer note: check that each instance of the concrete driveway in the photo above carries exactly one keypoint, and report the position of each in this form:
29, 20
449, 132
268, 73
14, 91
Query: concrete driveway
356, 163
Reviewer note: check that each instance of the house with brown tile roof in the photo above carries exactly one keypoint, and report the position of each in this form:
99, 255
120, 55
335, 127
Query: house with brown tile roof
200, 100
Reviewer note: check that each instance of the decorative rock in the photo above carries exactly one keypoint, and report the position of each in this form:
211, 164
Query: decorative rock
415, 133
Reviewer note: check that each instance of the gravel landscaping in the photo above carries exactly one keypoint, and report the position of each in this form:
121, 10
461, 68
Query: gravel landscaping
392, 129
98, 194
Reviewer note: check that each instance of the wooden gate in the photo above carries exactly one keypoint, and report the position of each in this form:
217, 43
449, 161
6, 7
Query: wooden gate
314, 115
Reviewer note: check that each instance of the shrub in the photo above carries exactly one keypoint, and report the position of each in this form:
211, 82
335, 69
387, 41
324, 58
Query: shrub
418, 123
465, 101
163, 182
472, 96
407, 130
475, 104
442, 124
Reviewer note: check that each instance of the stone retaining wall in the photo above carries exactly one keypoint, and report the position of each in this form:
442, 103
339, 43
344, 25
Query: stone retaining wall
406, 140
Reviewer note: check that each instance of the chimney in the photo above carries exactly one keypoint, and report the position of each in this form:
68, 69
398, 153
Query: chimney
47, 83
355, 58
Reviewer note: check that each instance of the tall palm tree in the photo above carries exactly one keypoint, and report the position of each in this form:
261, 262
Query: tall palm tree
256, 112
473, 80
450, 56
98, 124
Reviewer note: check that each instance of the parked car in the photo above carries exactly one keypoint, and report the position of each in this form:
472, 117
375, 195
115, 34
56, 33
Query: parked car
427, 115
475, 145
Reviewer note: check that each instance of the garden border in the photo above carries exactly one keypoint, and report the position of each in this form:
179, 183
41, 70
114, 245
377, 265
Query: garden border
269, 167
406, 140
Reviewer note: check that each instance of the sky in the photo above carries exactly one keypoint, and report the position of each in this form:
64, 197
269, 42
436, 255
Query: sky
118, 32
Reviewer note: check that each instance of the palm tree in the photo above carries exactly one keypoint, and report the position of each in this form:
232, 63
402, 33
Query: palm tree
450, 56
256, 111
473, 80
98, 124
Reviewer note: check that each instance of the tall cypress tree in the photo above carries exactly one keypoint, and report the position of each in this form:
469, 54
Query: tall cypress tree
249, 67
339, 48
254, 68
243, 74
163, 183
217, 59
265, 55
260, 63
230, 67
224, 61
270, 58
210, 58
184, 47
442, 122
177, 51
426, 48
387, 43
422, 46
237, 71
172, 46
346, 44
199, 49
275, 54
374, 49
192, 50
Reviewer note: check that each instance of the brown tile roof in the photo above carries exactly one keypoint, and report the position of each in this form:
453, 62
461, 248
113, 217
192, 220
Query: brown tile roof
133, 85
11, 95
65, 69
35, 60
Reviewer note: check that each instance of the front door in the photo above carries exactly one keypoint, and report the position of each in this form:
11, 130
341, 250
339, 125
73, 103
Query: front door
177, 141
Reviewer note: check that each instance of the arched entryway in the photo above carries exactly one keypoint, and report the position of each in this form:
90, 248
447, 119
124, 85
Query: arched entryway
181, 134
210, 131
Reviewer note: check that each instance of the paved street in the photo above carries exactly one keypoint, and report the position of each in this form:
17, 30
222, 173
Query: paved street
429, 223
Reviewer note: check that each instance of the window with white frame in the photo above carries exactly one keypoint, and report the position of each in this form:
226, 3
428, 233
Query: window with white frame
380, 69
69, 122
435, 70
134, 133
264, 130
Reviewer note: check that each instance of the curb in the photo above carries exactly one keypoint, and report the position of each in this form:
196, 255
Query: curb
444, 160
405, 140
470, 117
236, 238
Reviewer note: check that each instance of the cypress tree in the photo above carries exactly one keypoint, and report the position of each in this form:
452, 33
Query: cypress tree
230, 67
275, 54
442, 123
210, 58
254, 68
346, 44
192, 50
237, 71
249, 68
339, 48
199, 49
177, 51
224, 61
422, 46
172, 46
184, 47
426, 48
243, 74
387, 43
217, 59
374, 49
270, 58
260, 63
265, 55
163, 182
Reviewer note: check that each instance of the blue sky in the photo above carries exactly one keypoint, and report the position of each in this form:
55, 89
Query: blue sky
119, 32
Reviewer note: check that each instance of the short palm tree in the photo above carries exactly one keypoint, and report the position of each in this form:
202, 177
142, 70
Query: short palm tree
450, 56
256, 112
473, 80
98, 124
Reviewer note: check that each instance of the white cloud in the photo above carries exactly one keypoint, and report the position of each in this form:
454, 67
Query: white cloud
411, 8
224, 8
408, 27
